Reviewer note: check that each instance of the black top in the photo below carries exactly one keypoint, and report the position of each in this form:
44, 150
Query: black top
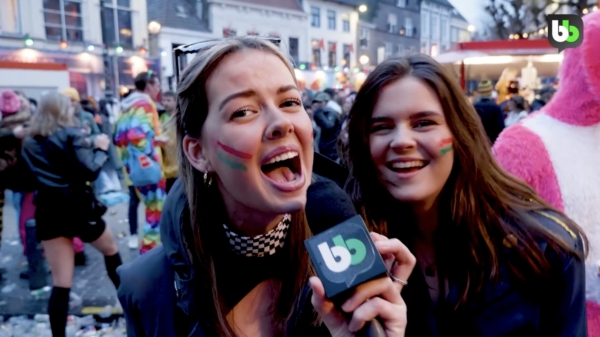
507, 308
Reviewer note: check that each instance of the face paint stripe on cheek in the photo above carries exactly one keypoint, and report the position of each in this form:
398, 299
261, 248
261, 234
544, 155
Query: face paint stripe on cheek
234, 152
230, 163
445, 145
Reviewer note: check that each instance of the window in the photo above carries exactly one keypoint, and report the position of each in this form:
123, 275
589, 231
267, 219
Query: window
444, 28
118, 20
316, 52
9, 17
400, 50
392, 23
364, 38
332, 55
346, 25
401, 3
315, 17
425, 25
293, 45
346, 55
331, 19
435, 27
388, 50
62, 19
454, 34
408, 24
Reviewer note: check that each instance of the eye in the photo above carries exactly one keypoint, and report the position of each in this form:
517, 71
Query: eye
243, 112
291, 102
379, 127
424, 123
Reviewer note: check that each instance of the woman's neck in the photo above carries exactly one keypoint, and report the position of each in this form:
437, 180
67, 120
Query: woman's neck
426, 216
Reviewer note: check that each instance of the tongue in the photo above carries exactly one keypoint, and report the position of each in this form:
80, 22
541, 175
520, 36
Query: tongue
281, 174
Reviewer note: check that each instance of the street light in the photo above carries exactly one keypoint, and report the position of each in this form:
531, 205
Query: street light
154, 27
364, 60
362, 8
471, 28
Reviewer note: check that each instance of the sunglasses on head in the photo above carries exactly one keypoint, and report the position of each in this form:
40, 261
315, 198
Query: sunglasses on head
196, 47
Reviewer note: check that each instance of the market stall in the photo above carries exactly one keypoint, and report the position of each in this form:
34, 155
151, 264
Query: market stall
536, 60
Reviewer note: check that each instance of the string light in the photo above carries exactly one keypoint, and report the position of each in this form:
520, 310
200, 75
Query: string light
64, 44
119, 49
91, 47
28, 41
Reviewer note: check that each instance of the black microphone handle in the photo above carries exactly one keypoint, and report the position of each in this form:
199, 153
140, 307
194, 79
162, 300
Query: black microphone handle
372, 329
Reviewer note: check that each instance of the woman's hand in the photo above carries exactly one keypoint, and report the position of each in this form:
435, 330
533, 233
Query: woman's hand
376, 298
101, 142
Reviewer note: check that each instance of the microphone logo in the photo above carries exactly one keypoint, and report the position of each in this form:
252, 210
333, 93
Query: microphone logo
344, 256
339, 258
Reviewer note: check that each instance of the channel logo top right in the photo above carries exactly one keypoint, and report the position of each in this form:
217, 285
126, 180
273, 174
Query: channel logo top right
565, 31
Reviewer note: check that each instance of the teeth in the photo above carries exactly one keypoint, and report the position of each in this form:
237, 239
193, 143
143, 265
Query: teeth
409, 164
282, 157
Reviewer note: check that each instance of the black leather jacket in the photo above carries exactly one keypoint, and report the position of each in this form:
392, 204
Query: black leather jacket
65, 159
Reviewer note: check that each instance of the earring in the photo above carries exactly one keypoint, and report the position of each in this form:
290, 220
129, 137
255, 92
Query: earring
207, 179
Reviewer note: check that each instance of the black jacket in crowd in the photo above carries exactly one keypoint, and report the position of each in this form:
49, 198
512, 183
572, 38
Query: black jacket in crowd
65, 159
329, 122
491, 116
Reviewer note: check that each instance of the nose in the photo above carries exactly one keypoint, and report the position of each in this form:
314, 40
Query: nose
279, 125
402, 139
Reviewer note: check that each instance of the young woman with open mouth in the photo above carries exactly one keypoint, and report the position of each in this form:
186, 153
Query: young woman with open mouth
494, 259
232, 261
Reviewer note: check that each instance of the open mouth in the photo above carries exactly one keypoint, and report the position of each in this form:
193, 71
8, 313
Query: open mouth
283, 168
407, 166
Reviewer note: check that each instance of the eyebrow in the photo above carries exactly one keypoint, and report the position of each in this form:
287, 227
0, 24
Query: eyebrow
420, 114
251, 93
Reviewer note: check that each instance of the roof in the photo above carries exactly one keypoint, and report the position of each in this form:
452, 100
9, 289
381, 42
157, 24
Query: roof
442, 2
284, 4
179, 14
456, 14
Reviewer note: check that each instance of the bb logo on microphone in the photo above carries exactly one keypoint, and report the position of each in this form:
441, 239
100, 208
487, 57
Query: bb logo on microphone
338, 258
345, 256
565, 31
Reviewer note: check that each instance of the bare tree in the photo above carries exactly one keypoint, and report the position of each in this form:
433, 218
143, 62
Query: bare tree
526, 16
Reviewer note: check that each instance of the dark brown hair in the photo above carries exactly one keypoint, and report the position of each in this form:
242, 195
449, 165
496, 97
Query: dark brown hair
481, 204
192, 110
142, 79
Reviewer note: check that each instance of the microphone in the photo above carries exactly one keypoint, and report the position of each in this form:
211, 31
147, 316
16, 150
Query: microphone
344, 255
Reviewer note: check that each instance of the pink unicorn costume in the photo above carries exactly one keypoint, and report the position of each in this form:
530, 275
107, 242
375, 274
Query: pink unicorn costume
557, 151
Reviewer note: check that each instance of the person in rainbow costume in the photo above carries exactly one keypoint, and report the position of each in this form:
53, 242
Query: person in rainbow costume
555, 150
139, 126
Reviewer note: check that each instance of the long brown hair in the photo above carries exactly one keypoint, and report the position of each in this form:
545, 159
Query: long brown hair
54, 111
192, 110
481, 204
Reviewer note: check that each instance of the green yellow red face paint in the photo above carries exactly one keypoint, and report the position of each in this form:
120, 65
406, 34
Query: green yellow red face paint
445, 145
231, 157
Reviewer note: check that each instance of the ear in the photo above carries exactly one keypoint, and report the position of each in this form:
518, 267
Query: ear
195, 154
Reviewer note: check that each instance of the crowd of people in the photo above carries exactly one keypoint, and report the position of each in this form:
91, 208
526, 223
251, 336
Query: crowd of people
486, 226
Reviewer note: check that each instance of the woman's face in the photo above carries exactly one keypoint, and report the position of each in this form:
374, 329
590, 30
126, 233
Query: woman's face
257, 137
410, 142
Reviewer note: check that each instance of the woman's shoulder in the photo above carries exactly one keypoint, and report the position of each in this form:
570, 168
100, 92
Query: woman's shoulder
557, 225
147, 279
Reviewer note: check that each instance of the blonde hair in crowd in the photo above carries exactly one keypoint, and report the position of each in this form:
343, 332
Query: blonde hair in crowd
54, 112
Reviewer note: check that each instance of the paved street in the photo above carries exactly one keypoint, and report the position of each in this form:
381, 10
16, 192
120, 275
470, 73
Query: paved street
90, 282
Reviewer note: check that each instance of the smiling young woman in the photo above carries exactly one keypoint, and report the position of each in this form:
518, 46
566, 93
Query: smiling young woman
494, 258
233, 226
